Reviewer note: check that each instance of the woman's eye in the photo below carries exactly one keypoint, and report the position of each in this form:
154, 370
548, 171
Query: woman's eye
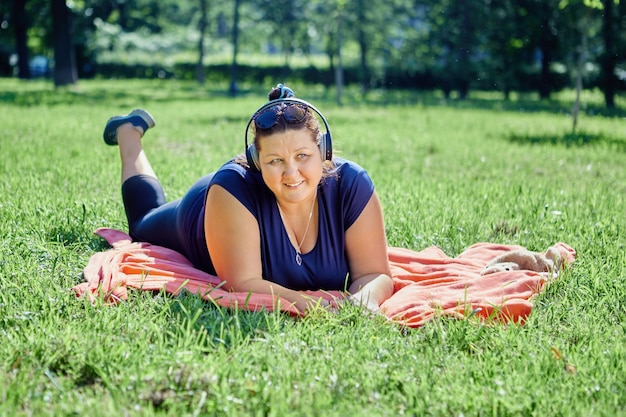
275, 161
303, 156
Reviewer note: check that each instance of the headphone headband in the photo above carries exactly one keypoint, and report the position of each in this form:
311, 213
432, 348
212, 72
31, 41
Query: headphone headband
325, 143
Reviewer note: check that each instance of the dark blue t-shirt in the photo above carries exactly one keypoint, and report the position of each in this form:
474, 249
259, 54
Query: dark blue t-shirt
341, 199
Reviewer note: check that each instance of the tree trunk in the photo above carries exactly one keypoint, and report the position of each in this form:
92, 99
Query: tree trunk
608, 60
122, 18
200, 77
465, 46
546, 47
579, 71
331, 68
364, 74
543, 11
234, 68
64, 62
339, 68
21, 39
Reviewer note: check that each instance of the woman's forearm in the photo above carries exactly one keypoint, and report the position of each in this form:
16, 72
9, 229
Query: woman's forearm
301, 301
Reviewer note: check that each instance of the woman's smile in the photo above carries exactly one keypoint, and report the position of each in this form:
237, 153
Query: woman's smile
294, 185
291, 165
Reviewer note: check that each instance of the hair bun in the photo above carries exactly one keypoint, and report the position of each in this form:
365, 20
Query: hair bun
279, 92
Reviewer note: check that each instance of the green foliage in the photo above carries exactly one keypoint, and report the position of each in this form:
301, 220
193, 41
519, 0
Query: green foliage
449, 173
453, 46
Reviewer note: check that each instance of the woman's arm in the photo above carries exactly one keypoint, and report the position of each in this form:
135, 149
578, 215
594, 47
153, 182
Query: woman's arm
233, 240
366, 246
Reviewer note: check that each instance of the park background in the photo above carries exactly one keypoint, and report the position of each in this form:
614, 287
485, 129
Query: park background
455, 47
478, 121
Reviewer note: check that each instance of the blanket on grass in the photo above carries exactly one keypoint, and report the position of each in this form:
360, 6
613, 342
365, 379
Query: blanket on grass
426, 283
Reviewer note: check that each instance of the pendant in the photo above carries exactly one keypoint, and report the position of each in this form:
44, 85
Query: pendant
298, 259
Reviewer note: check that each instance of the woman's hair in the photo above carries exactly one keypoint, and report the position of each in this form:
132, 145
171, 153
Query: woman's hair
309, 122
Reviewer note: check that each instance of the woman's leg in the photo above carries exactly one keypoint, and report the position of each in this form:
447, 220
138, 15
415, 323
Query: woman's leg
157, 223
127, 131
150, 219
141, 190
134, 159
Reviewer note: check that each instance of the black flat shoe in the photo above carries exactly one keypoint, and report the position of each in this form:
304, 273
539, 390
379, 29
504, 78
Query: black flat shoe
138, 117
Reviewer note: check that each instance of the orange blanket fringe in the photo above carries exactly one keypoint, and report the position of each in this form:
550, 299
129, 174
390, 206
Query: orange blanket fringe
426, 283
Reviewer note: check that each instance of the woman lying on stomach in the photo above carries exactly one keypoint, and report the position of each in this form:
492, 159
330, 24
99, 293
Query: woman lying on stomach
283, 218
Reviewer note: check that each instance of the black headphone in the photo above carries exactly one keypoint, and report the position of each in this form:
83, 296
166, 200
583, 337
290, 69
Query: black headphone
325, 142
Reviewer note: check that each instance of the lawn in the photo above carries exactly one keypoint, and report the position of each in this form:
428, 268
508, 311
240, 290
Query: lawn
448, 173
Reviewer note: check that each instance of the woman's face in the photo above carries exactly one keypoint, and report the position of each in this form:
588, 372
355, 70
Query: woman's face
291, 165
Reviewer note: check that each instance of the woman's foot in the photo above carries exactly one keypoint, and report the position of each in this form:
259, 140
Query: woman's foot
140, 119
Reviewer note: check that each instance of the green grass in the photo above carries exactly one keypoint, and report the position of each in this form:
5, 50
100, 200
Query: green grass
448, 173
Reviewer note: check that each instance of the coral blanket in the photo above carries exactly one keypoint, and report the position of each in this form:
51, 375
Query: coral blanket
426, 283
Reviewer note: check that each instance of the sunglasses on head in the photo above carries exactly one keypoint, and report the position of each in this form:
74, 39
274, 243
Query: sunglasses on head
292, 113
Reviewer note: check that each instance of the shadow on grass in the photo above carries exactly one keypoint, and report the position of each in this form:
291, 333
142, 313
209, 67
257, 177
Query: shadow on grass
535, 106
222, 326
491, 101
570, 140
43, 93
37, 94
75, 236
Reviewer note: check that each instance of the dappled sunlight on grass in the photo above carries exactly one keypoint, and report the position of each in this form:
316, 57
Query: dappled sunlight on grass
449, 173
571, 139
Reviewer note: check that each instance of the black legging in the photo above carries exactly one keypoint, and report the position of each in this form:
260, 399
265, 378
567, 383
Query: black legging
176, 225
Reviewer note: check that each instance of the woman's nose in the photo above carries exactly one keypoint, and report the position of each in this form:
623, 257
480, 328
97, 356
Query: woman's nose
291, 169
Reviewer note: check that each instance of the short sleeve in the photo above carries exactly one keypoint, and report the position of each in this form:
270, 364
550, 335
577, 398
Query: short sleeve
355, 188
242, 183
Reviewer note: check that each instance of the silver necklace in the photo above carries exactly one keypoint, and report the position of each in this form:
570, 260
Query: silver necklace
308, 223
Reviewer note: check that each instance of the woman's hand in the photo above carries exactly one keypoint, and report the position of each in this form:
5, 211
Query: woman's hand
308, 303
361, 301
370, 291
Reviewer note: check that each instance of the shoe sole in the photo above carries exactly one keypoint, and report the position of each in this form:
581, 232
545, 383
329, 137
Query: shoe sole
110, 130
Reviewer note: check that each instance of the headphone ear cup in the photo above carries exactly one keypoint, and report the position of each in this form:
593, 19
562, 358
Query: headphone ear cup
253, 157
326, 147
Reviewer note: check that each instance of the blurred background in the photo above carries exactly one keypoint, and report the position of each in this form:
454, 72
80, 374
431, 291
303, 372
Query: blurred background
534, 47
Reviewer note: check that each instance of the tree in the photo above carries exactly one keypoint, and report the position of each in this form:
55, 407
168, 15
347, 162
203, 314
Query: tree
609, 58
409, 51
339, 81
504, 43
287, 23
363, 41
542, 18
453, 45
453, 31
21, 41
330, 23
64, 56
580, 14
368, 25
235, 44
202, 25
338, 8
585, 15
